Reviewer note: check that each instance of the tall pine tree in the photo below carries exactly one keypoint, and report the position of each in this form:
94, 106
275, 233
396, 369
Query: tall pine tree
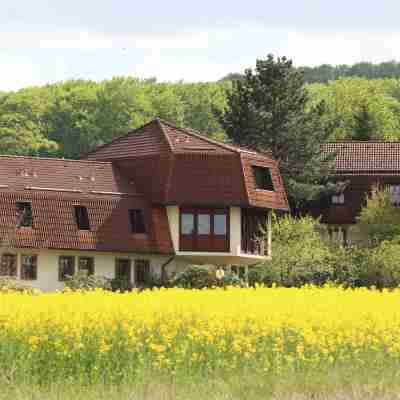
268, 110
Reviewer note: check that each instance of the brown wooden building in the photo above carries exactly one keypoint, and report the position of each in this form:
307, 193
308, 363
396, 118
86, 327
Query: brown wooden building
158, 198
362, 165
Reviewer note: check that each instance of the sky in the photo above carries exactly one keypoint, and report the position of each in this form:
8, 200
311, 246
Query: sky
44, 41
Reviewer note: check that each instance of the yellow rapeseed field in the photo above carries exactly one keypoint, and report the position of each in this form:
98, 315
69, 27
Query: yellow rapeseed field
101, 336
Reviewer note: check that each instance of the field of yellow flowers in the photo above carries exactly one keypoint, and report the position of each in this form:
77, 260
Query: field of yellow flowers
112, 337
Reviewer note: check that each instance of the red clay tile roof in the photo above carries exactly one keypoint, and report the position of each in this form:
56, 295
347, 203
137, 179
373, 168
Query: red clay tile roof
374, 157
55, 186
191, 168
159, 136
88, 177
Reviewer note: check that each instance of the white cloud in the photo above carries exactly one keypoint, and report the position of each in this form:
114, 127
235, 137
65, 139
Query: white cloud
17, 72
340, 48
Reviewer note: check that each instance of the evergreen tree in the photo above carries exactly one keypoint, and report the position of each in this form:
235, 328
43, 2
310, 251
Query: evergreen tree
365, 127
269, 111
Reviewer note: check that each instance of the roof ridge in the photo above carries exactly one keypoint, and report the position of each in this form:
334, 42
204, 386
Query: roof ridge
226, 146
362, 142
116, 139
166, 136
55, 159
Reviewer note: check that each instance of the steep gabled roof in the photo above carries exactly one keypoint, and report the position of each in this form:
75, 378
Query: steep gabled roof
376, 157
158, 137
149, 139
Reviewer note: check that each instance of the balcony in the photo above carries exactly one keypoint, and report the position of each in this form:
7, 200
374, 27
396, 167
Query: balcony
219, 236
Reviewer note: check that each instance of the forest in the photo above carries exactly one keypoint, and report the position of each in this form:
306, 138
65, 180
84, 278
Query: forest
68, 118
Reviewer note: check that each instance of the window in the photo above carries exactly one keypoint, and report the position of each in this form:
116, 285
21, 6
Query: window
204, 221
395, 190
338, 198
137, 221
66, 267
187, 224
24, 214
28, 267
8, 266
86, 265
82, 218
263, 178
220, 224
142, 272
123, 269
204, 229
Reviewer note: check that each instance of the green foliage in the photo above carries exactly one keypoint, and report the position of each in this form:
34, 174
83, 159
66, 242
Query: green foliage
269, 111
10, 284
299, 255
82, 281
195, 277
324, 73
379, 220
69, 118
359, 105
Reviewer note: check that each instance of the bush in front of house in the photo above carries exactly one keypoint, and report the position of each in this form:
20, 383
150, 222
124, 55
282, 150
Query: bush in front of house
379, 220
195, 277
10, 284
299, 255
82, 281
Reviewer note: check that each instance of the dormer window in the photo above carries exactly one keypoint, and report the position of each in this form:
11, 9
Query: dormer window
82, 218
337, 198
263, 178
137, 221
24, 214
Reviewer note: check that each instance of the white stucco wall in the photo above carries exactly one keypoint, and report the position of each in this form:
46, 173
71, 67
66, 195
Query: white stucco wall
104, 264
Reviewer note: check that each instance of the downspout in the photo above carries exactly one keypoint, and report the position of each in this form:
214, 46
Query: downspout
163, 272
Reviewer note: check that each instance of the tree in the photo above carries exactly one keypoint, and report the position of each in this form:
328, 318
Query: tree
268, 110
364, 125
379, 220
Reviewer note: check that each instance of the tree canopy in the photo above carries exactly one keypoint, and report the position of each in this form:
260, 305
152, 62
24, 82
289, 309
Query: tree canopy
269, 110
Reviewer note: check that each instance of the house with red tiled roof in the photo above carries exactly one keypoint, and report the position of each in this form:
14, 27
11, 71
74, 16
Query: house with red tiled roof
362, 165
153, 201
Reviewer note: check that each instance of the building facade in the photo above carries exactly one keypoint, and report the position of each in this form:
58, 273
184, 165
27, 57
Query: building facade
361, 166
151, 202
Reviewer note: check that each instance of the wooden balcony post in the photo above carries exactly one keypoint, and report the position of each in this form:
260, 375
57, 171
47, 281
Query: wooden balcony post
269, 234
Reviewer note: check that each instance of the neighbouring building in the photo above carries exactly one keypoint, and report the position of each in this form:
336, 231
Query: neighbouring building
151, 202
362, 165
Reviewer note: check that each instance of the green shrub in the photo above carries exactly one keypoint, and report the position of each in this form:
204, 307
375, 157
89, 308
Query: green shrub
83, 281
299, 254
379, 220
229, 279
195, 277
10, 284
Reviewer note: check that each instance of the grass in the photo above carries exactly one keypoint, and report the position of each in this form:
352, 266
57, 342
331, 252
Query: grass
336, 384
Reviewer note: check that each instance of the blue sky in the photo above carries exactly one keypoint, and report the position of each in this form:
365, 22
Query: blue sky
48, 40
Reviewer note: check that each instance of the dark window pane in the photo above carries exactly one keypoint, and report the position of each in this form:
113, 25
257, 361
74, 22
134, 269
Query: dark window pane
86, 265
66, 267
263, 179
219, 224
137, 221
123, 269
24, 214
8, 266
82, 218
29, 267
187, 224
142, 272
204, 224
